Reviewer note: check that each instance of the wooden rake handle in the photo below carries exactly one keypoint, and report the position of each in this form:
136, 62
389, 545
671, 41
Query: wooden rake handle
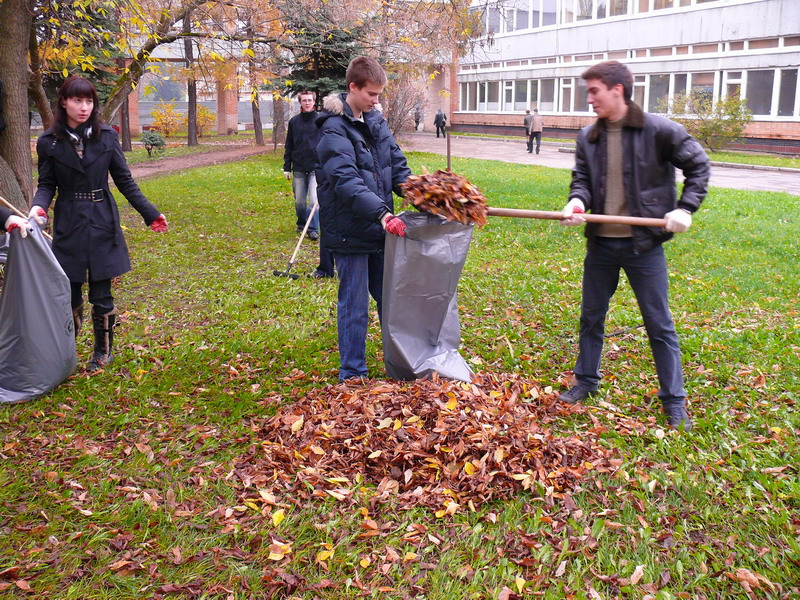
590, 218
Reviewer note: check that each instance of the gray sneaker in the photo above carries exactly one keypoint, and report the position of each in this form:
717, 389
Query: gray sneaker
576, 394
677, 415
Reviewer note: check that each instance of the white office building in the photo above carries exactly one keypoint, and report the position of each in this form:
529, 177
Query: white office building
538, 49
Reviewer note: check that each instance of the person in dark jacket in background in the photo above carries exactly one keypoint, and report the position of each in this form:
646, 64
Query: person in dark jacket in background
76, 155
440, 121
300, 160
360, 166
625, 165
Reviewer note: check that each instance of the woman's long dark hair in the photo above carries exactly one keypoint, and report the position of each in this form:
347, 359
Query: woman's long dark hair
76, 86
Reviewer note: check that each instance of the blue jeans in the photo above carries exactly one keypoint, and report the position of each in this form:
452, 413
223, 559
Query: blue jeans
304, 186
647, 275
360, 275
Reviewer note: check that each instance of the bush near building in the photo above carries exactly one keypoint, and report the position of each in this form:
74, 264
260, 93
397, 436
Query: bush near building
205, 118
152, 140
166, 119
716, 125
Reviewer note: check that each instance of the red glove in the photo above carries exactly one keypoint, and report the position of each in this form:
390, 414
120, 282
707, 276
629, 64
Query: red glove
14, 222
160, 224
394, 226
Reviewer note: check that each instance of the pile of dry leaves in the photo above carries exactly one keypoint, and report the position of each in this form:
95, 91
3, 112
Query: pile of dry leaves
437, 443
447, 194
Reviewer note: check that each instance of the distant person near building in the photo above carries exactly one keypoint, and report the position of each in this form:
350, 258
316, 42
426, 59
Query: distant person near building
537, 124
625, 165
417, 118
527, 123
299, 162
440, 121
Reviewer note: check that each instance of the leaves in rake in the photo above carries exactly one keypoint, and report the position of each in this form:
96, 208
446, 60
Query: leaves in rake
447, 194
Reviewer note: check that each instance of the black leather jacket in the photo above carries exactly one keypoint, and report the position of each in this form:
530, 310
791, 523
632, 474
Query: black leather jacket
652, 147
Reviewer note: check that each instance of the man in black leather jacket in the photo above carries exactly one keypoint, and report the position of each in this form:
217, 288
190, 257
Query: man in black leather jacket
625, 165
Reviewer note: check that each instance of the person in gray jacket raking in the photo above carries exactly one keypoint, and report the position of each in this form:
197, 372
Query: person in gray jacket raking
360, 166
300, 161
625, 165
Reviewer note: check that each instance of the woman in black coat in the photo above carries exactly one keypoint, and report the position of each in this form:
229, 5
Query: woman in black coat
76, 156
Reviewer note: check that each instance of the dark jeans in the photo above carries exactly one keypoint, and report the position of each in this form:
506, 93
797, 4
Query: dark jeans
325, 262
440, 128
99, 296
647, 275
360, 275
304, 186
535, 135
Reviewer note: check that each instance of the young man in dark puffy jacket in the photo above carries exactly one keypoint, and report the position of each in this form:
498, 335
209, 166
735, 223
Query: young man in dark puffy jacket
300, 160
625, 165
360, 165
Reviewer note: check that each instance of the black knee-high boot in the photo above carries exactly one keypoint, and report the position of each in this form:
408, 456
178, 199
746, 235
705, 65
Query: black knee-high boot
77, 318
103, 340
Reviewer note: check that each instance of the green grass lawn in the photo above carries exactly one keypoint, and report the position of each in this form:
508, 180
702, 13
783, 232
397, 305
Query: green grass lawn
123, 485
769, 160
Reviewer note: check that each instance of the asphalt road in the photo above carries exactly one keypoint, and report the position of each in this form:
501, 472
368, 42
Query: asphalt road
514, 151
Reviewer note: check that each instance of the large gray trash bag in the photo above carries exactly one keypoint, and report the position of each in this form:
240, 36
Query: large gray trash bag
421, 330
37, 341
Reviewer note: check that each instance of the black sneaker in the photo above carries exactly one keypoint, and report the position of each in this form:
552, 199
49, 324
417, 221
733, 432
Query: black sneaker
576, 394
313, 236
319, 275
677, 415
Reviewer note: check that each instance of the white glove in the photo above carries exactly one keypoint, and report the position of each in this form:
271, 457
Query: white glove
573, 213
678, 220
288, 175
38, 214
14, 222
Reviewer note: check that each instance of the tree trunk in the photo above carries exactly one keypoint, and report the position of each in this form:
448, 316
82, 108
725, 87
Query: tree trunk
16, 178
191, 85
125, 126
257, 126
35, 87
278, 121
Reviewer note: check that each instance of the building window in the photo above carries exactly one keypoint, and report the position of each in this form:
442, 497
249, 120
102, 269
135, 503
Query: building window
508, 96
617, 7
735, 46
547, 95
493, 25
472, 96
581, 104
549, 8
568, 15
659, 92
585, 8
534, 96
680, 84
733, 84
493, 96
765, 43
520, 95
659, 4
703, 84
704, 48
759, 91
788, 93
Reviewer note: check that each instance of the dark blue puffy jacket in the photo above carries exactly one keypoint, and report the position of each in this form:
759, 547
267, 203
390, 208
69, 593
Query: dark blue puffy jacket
360, 165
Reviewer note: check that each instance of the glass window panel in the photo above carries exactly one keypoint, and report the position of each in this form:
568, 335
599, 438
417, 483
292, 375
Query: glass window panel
638, 94
618, 55
682, 50
569, 11
601, 9
736, 46
547, 94
792, 41
585, 8
734, 75
549, 12
523, 17
520, 95
680, 83
659, 90
644, 6
759, 91
581, 105
508, 97
493, 93
535, 15
733, 90
617, 7
494, 20
659, 4
788, 92
703, 83
473, 96
534, 94
767, 43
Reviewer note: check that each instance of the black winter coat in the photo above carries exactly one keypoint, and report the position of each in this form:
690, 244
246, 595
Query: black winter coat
652, 147
4, 214
87, 235
300, 150
360, 165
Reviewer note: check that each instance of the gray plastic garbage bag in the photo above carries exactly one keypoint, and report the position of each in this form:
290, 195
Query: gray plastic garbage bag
37, 342
420, 327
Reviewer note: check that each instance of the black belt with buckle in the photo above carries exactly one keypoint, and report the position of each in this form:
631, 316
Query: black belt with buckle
93, 196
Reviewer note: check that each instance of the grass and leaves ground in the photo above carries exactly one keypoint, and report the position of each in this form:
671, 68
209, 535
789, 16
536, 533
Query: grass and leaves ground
125, 484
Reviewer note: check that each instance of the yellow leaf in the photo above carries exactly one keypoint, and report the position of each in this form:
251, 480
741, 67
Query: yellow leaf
317, 450
469, 468
384, 423
413, 419
499, 455
323, 555
397, 424
65, 72
410, 556
452, 404
267, 497
375, 454
297, 425
520, 583
364, 562
278, 516
251, 504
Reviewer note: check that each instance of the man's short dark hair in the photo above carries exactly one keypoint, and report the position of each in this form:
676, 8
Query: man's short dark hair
311, 93
611, 73
363, 70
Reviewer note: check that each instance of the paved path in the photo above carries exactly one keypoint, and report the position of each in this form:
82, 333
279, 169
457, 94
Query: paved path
514, 151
